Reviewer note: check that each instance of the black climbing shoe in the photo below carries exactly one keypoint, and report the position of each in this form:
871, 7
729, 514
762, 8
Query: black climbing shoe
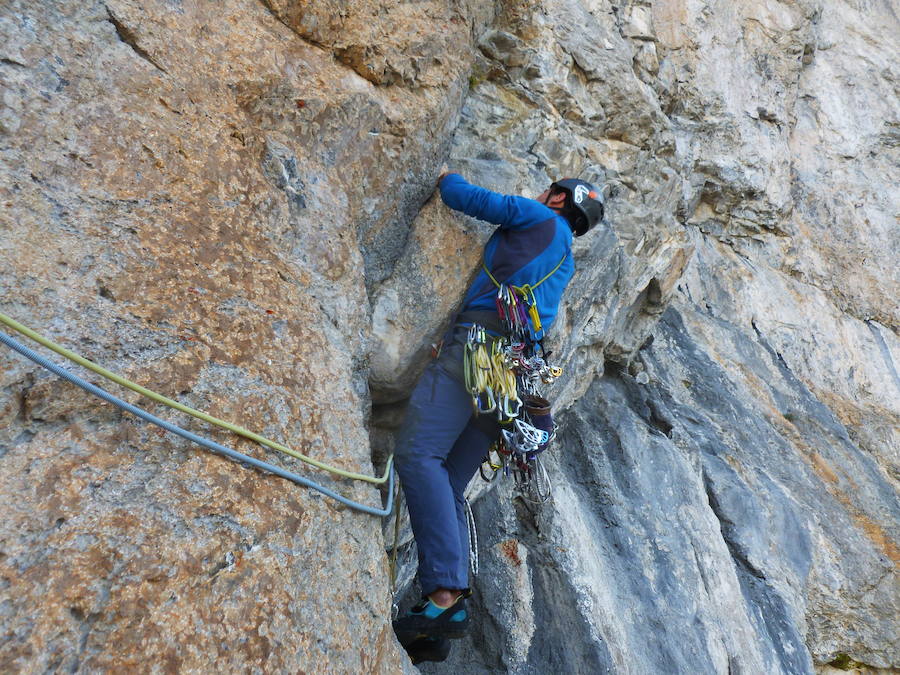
428, 649
428, 620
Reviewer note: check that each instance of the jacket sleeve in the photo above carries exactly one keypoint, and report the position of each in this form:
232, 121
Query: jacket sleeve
507, 211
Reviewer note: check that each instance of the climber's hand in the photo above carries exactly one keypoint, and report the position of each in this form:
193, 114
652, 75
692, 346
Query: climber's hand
444, 171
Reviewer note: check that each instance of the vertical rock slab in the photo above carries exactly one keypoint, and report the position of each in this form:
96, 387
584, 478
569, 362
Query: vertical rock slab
548, 101
230, 203
699, 521
744, 497
419, 55
844, 147
197, 196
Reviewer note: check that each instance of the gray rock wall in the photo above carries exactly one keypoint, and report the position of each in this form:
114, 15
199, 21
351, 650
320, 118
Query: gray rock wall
232, 203
739, 512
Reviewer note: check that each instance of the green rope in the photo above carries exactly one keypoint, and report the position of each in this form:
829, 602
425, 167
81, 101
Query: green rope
240, 431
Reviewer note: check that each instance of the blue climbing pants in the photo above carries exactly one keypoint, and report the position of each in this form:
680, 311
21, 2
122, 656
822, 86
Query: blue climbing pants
439, 447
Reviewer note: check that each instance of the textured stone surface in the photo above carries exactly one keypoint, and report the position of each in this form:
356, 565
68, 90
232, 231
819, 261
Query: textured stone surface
740, 511
692, 529
232, 202
193, 196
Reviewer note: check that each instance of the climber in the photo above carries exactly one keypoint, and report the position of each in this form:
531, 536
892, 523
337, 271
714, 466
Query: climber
441, 442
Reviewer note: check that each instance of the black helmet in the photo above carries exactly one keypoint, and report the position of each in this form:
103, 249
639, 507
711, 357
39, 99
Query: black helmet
584, 205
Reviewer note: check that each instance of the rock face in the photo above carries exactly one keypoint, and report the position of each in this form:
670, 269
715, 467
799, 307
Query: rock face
197, 196
231, 203
738, 511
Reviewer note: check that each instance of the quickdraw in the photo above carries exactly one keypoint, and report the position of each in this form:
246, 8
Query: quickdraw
489, 377
518, 310
518, 306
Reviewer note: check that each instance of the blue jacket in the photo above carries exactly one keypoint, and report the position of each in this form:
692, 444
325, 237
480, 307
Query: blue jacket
531, 241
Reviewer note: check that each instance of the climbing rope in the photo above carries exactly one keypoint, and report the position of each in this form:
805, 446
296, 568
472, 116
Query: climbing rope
395, 608
206, 443
240, 431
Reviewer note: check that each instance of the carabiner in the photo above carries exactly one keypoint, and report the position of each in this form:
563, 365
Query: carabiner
505, 411
489, 393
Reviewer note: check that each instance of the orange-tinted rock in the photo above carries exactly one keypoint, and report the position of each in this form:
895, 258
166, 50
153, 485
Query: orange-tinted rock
183, 188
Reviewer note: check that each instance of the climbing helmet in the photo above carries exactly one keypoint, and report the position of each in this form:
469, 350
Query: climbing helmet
584, 204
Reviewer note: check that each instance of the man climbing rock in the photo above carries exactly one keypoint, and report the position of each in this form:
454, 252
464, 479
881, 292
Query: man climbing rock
442, 441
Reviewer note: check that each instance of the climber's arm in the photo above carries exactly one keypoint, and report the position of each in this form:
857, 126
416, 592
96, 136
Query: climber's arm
509, 211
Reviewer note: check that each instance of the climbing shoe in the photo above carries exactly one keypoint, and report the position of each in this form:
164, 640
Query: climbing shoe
429, 620
428, 649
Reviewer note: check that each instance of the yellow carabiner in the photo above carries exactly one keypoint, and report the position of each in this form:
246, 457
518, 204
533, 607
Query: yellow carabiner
535, 319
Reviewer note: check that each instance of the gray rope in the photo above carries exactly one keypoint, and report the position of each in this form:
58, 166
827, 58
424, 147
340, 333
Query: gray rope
210, 445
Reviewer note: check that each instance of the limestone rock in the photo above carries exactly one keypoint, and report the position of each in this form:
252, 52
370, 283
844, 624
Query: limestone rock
749, 530
233, 203
191, 199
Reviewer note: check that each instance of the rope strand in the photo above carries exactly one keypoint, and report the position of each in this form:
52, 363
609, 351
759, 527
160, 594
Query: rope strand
240, 431
206, 443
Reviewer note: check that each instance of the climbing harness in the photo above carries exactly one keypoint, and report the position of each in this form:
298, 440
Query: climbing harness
505, 375
210, 445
